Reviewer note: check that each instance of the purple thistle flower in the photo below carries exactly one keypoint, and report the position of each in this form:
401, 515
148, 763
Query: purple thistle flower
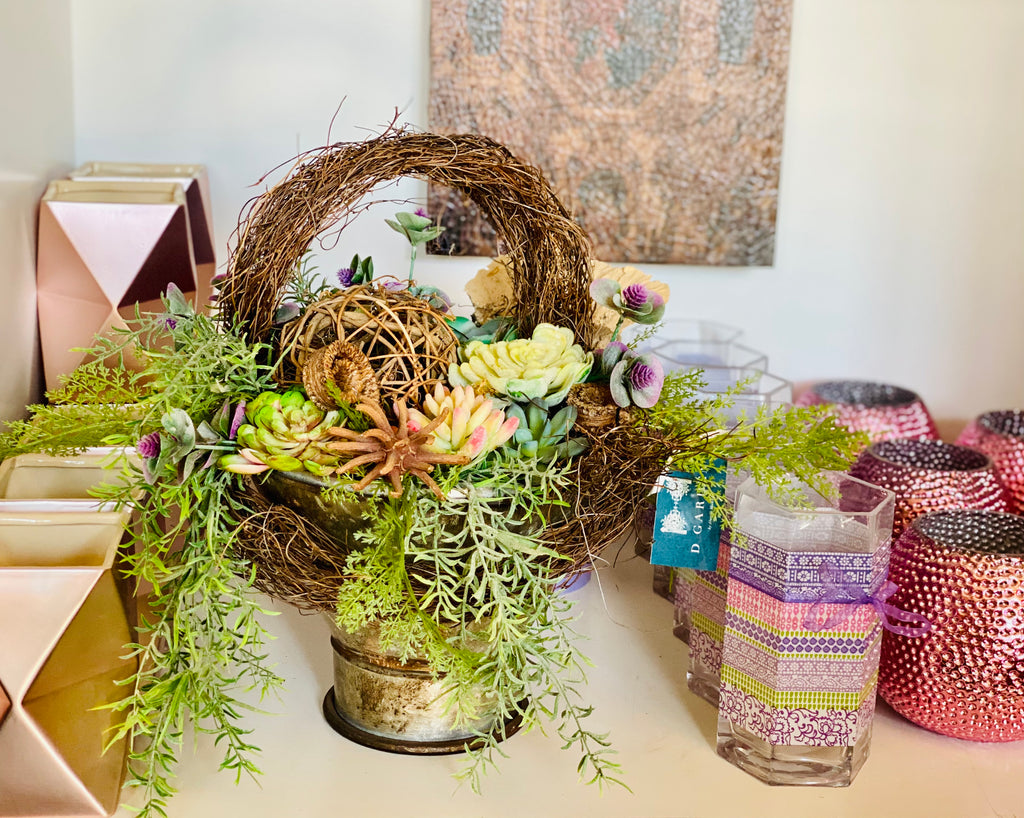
635, 296
170, 322
149, 445
345, 276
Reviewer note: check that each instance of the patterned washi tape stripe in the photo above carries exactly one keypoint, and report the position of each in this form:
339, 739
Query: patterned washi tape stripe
791, 617
793, 576
795, 726
781, 642
807, 674
814, 699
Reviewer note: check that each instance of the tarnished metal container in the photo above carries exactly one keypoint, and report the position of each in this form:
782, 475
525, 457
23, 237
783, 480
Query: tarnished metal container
401, 707
377, 699
303, 493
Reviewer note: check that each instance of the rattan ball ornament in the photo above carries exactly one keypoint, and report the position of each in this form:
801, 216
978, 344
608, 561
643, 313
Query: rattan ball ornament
407, 342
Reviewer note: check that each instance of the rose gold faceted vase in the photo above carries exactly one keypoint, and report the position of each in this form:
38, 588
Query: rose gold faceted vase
195, 184
103, 248
63, 631
964, 571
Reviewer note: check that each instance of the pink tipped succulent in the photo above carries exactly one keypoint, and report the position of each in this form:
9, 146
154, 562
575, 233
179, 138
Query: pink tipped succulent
473, 426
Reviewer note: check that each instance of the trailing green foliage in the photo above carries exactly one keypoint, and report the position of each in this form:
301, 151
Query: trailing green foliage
91, 403
476, 596
771, 445
201, 641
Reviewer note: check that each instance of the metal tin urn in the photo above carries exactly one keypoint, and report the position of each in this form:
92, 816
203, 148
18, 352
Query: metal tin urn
400, 707
378, 699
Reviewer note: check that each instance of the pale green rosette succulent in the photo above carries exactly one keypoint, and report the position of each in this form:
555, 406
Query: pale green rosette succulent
286, 432
537, 370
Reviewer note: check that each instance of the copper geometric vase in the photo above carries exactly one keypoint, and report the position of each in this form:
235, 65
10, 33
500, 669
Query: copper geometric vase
194, 182
63, 631
103, 247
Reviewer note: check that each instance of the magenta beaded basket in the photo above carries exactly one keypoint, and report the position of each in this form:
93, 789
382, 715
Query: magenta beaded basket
929, 475
1000, 435
964, 571
883, 411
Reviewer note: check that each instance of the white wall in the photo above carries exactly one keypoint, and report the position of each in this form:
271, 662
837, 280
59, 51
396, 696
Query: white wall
901, 225
36, 144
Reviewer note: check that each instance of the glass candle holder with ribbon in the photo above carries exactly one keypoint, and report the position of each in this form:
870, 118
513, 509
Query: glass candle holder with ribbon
930, 475
705, 609
964, 570
706, 589
1000, 435
881, 410
806, 606
723, 364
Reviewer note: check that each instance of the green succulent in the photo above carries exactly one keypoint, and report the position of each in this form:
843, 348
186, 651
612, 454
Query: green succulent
542, 437
286, 432
494, 329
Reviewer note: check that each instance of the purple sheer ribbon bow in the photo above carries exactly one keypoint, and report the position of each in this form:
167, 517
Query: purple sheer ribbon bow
834, 590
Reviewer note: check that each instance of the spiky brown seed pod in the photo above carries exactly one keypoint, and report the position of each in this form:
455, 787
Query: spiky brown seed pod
340, 370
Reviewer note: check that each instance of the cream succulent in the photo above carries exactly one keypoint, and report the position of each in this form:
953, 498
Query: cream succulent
471, 427
540, 369
492, 294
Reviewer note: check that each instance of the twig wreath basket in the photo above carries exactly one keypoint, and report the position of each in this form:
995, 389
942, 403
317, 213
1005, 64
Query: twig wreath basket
549, 262
426, 481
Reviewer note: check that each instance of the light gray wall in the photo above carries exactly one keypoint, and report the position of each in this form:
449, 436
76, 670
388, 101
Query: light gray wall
36, 144
900, 244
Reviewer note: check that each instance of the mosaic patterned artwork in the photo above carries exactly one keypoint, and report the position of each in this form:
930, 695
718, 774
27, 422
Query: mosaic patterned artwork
659, 122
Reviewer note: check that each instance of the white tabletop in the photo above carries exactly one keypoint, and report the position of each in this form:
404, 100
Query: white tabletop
665, 737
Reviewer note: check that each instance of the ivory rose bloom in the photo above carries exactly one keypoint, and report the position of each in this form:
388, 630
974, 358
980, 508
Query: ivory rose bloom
539, 369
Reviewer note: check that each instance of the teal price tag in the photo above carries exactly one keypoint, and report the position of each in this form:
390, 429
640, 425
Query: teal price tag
685, 533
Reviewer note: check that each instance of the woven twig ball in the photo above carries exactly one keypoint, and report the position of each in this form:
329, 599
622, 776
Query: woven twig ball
407, 342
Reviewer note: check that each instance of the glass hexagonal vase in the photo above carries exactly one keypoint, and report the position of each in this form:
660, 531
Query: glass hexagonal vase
801, 641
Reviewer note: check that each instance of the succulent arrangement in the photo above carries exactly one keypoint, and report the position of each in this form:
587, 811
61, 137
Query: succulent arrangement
417, 415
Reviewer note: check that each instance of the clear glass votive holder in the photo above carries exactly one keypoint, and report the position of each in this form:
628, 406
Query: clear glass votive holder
687, 355
802, 640
759, 389
682, 329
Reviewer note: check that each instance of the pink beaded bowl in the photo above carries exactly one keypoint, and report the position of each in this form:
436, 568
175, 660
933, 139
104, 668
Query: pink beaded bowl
883, 411
1000, 435
964, 571
929, 475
